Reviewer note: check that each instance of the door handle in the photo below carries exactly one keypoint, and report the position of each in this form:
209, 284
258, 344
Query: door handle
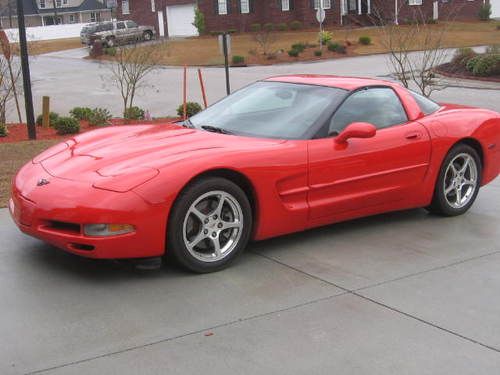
413, 135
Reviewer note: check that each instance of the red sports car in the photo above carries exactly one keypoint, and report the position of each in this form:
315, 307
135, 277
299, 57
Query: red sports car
279, 156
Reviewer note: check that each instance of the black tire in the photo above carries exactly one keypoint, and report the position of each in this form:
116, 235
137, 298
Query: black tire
440, 204
110, 42
147, 36
179, 219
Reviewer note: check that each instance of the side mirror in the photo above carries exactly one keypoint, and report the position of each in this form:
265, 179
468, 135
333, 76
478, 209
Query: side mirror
356, 130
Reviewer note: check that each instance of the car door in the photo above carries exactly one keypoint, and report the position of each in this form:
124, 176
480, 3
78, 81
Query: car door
121, 32
133, 33
361, 174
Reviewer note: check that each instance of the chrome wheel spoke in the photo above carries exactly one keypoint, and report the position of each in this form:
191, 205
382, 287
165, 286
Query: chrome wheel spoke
200, 215
465, 165
231, 225
220, 206
200, 237
449, 189
216, 245
458, 193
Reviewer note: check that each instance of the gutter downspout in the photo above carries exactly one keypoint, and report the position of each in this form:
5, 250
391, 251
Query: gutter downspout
396, 12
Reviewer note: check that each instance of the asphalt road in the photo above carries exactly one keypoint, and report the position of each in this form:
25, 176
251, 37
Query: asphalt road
402, 293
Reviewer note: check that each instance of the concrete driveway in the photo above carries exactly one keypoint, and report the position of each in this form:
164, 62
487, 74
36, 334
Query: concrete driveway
402, 293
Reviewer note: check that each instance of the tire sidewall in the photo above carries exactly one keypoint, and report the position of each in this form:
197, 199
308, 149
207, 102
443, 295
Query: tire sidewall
439, 197
175, 237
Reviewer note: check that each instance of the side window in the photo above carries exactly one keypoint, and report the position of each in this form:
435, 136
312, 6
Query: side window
379, 106
120, 25
131, 24
427, 106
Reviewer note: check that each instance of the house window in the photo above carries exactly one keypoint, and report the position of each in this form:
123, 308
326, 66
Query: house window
285, 5
125, 7
222, 7
153, 6
65, 2
42, 4
327, 4
93, 17
414, 2
58, 3
71, 18
245, 6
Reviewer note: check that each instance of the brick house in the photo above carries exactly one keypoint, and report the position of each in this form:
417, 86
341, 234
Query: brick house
175, 17
42, 12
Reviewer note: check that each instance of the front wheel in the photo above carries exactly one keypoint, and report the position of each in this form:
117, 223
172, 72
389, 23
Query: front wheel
458, 182
210, 225
147, 36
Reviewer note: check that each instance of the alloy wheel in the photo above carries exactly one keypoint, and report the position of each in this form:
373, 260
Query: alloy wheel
460, 180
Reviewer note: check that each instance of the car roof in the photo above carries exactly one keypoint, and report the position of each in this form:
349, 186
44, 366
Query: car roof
347, 83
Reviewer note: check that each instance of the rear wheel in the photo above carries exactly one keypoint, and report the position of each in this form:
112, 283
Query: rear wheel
458, 182
147, 36
210, 225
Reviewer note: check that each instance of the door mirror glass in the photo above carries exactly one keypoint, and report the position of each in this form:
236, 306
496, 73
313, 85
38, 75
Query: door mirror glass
356, 130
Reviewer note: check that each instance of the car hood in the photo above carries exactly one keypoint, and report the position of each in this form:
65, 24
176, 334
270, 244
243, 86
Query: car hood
137, 153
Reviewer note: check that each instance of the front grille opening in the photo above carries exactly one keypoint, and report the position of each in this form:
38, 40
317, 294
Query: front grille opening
61, 226
81, 246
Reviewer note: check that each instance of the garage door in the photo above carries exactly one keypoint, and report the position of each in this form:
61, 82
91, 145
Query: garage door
495, 8
180, 20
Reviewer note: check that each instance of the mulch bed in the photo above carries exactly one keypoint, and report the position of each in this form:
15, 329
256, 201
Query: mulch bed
456, 71
19, 132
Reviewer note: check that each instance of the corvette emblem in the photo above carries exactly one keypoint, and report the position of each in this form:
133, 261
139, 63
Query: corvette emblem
42, 182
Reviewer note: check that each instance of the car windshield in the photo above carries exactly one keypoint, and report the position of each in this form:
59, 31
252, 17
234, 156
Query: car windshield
270, 110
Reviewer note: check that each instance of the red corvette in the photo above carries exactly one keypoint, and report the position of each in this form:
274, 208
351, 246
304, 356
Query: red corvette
279, 156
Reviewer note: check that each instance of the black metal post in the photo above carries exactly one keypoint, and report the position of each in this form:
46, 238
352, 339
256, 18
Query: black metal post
10, 13
226, 62
23, 46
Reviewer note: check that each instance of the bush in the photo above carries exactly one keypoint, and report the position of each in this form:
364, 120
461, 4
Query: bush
462, 56
81, 113
341, 49
332, 46
237, 60
215, 33
3, 130
199, 21
294, 53
484, 65
299, 47
318, 53
255, 27
295, 25
284, 27
324, 37
99, 117
52, 119
134, 113
67, 125
485, 12
111, 51
365, 40
192, 109
268, 26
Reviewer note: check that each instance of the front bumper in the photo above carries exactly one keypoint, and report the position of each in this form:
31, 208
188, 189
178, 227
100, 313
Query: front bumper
56, 212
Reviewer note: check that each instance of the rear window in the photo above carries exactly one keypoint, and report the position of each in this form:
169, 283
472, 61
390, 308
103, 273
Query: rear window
426, 105
105, 27
88, 29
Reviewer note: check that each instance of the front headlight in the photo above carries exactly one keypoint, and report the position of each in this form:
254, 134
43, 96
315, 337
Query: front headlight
106, 230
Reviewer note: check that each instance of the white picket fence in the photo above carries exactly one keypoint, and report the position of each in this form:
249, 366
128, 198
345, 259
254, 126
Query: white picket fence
47, 32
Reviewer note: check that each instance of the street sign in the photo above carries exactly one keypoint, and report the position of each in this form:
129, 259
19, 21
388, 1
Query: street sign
320, 15
5, 44
221, 43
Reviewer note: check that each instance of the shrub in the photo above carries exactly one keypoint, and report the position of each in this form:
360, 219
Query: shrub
215, 33
462, 56
365, 40
484, 65
255, 27
324, 37
231, 31
341, 49
52, 119
199, 21
295, 25
268, 26
111, 51
237, 60
81, 113
333, 46
99, 117
294, 53
318, 53
67, 125
284, 27
299, 47
134, 113
3, 130
485, 12
192, 109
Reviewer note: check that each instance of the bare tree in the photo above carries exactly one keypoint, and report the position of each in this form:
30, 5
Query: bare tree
131, 66
265, 38
8, 84
415, 49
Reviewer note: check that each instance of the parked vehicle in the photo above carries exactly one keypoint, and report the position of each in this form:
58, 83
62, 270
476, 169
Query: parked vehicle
121, 32
279, 156
93, 28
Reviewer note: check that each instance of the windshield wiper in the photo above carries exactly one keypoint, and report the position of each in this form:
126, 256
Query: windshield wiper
215, 129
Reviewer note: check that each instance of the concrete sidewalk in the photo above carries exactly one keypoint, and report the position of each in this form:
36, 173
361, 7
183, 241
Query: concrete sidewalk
402, 293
